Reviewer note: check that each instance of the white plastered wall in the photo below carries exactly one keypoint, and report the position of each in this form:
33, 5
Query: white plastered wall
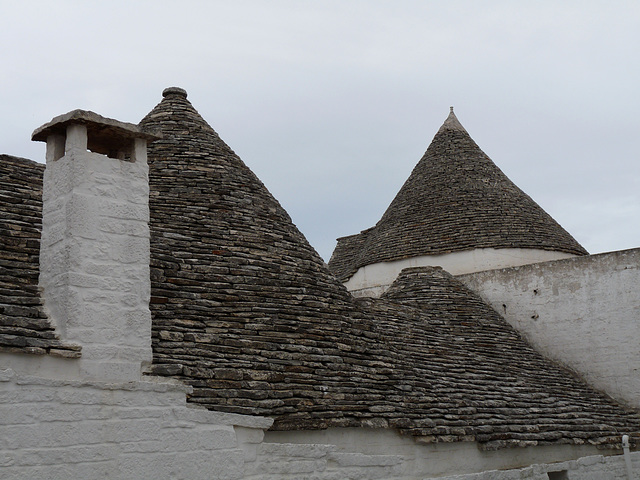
583, 312
62, 428
53, 426
373, 280
94, 259
595, 467
415, 460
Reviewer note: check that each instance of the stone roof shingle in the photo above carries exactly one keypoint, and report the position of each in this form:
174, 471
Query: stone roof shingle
473, 376
241, 303
24, 326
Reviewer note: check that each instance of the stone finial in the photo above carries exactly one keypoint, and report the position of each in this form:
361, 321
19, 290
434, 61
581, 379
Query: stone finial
181, 92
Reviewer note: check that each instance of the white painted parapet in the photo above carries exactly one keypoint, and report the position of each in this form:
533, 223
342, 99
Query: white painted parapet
373, 280
94, 252
583, 312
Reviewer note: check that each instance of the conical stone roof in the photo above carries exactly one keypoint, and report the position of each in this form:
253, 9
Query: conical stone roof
243, 308
245, 312
455, 199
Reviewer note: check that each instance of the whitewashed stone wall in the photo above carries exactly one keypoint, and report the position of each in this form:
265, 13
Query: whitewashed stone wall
386, 452
94, 260
322, 462
373, 280
66, 429
595, 467
583, 312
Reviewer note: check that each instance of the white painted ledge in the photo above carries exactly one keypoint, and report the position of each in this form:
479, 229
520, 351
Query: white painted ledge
373, 280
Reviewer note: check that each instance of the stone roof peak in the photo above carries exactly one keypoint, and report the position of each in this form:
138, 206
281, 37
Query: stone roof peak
452, 123
174, 91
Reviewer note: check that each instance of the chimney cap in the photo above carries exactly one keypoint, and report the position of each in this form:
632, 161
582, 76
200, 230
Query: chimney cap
97, 125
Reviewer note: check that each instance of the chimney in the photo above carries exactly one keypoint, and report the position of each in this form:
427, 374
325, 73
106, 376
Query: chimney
94, 251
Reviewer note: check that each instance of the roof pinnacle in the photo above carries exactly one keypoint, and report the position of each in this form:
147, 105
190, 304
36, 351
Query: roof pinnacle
174, 91
452, 122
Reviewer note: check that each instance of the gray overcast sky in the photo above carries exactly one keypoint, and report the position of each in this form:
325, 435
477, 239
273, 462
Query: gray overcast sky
332, 103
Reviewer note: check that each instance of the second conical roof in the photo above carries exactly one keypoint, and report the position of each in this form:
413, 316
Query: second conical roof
455, 199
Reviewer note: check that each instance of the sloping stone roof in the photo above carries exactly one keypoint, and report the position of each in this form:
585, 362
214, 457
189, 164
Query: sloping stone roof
455, 199
243, 308
472, 375
24, 326
245, 311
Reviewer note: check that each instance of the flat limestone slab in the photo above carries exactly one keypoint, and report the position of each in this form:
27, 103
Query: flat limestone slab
96, 125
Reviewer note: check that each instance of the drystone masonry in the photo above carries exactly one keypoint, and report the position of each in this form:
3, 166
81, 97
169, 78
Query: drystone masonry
584, 312
24, 326
455, 199
244, 309
463, 350
90, 413
245, 318
245, 312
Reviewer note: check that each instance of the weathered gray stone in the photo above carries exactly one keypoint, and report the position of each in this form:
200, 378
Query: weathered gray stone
455, 199
246, 313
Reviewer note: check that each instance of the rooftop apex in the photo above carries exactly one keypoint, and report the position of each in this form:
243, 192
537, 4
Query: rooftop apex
97, 126
174, 91
452, 123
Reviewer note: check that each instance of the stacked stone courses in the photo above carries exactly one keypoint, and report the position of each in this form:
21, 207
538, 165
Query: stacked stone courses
24, 326
247, 315
455, 199
243, 308
490, 384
